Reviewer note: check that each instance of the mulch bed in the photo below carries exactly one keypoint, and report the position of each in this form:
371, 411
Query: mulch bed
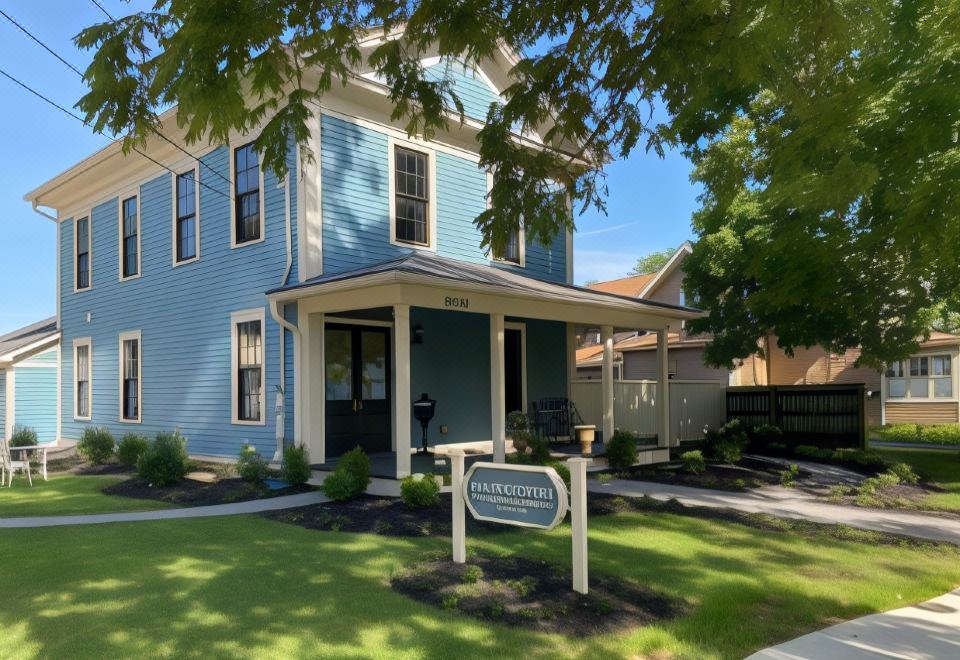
534, 594
193, 493
736, 478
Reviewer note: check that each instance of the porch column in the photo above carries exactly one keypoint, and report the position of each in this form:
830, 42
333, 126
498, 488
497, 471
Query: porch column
312, 411
401, 378
498, 420
571, 358
663, 390
606, 378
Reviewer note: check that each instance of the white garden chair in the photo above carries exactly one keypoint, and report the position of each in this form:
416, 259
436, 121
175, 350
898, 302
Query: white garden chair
8, 466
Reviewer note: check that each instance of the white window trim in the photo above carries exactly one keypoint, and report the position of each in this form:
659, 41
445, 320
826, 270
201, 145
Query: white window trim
522, 327
126, 336
521, 237
231, 153
128, 194
952, 353
76, 218
424, 148
196, 218
256, 314
77, 343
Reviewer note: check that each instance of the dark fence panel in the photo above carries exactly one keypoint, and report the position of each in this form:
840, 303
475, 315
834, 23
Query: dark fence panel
820, 415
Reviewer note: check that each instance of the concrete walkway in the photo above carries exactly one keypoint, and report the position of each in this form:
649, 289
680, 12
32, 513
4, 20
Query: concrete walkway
232, 509
793, 503
927, 630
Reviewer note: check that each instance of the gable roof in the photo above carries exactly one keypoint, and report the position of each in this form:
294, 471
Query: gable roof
625, 286
672, 264
36, 335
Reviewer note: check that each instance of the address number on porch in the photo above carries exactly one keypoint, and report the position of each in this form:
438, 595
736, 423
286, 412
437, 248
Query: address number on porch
456, 302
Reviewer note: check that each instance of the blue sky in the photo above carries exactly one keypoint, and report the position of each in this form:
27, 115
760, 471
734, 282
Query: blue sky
649, 206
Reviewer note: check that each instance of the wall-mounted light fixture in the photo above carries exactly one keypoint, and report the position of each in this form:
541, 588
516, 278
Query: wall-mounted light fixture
416, 334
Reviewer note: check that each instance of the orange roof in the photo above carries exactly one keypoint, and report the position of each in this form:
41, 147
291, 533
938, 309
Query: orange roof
625, 286
649, 341
938, 338
588, 352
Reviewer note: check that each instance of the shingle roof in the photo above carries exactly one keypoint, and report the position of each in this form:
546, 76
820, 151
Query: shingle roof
625, 286
29, 335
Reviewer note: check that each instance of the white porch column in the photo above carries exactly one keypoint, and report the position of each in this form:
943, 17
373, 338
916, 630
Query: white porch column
312, 409
401, 378
663, 390
498, 421
606, 378
571, 358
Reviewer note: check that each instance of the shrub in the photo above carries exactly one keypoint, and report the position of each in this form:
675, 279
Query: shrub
419, 491
350, 479
940, 434
763, 435
864, 458
96, 444
692, 462
23, 436
165, 461
521, 440
295, 468
131, 449
904, 473
788, 477
727, 443
517, 421
539, 448
900, 433
817, 453
251, 466
621, 450
562, 471
776, 448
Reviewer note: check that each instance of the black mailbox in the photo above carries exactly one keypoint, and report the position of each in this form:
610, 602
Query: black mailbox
423, 411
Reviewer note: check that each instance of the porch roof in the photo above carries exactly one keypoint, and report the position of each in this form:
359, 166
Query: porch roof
428, 269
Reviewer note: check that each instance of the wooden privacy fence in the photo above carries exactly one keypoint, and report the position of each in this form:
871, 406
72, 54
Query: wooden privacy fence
694, 404
820, 415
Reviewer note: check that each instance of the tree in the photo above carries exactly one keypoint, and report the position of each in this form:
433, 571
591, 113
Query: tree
825, 133
652, 262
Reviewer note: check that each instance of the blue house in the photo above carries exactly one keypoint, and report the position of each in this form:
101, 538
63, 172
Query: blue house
29, 380
208, 295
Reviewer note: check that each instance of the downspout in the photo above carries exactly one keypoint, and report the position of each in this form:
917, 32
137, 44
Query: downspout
44, 214
275, 311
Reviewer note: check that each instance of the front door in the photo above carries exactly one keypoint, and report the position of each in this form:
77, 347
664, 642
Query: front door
513, 370
357, 389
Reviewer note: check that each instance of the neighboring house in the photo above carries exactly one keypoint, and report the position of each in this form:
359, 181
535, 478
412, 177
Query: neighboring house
29, 359
193, 293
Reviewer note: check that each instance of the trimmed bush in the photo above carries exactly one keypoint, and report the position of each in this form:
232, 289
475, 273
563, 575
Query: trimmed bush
350, 479
295, 468
934, 434
23, 436
727, 443
692, 462
763, 435
420, 490
517, 421
864, 458
131, 449
621, 450
562, 471
165, 461
809, 451
899, 432
251, 466
539, 448
96, 444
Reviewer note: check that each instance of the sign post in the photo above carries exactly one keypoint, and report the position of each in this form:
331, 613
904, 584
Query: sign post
578, 521
459, 515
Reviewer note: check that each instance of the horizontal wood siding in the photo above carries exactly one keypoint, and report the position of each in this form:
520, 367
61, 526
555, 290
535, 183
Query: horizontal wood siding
934, 412
642, 365
471, 89
35, 402
183, 314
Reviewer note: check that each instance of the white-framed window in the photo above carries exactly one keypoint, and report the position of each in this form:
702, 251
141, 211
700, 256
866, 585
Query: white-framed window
186, 216
413, 194
515, 251
248, 367
921, 377
247, 211
82, 378
82, 253
131, 390
129, 238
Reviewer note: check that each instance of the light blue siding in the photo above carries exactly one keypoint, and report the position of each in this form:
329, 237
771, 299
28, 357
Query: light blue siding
49, 355
3, 402
35, 400
183, 314
472, 90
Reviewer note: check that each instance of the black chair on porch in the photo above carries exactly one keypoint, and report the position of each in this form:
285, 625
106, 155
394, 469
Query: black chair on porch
555, 418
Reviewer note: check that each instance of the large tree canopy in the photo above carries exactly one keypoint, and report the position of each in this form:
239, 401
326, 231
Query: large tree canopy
824, 132
652, 262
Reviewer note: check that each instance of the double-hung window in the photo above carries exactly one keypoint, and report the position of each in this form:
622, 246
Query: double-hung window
512, 252
186, 229
130, 370
246, 170
248, 367
921, 377
82, 255
82, 377
130, 237
411, 197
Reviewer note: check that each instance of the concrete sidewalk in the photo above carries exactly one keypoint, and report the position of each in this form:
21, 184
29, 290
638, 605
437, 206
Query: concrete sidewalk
793, 503
232, 509
927, 630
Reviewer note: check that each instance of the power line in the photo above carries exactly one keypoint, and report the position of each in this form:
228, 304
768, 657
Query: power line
105, 12
40, 43
80, 119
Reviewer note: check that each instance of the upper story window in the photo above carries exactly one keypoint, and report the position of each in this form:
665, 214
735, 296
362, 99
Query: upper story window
248, 367
921, 377
82, 375
411, 197
513, 251
130, 237
82, 254
130, 377
248, 223
186, 218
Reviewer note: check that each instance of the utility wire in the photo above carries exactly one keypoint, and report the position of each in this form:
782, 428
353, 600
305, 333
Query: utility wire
80, 119
105, 12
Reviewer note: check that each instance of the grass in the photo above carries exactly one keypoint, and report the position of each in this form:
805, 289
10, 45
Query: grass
66, 495
938, 466
249, 587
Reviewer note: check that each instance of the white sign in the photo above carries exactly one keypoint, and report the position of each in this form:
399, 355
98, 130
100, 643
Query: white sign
521, 495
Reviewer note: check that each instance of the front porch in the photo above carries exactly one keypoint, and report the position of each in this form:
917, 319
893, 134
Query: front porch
480, 340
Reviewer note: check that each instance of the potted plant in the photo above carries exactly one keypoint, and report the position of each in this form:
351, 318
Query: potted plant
517, 426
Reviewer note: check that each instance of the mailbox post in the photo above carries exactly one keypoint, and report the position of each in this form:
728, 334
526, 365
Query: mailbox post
423, 411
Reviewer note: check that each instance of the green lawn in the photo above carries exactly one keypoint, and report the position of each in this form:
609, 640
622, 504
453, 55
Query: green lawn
65, 496
253, 588
937, 465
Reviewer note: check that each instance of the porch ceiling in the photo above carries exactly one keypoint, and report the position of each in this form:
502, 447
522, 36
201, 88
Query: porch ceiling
422, 279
